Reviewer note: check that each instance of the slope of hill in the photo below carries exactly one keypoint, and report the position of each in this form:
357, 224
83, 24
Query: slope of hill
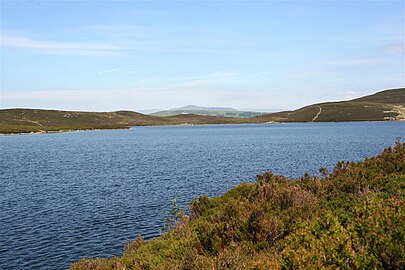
351, 218
384, 105
33, 120
391, 96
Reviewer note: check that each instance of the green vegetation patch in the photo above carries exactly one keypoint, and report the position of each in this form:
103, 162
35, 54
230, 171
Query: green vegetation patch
351, 218
382, 106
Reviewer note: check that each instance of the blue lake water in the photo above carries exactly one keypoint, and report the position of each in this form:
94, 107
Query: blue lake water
85, 194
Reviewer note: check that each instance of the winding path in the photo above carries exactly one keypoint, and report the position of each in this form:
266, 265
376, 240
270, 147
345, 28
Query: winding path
32, 121
316, 116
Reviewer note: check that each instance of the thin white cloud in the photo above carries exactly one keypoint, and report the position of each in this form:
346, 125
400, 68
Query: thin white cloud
119, 47
125, 28
260, 73
108, 71
57, 47
224, 74
135, 71
352, 62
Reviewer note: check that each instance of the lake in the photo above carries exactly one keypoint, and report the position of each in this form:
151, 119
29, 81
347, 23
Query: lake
64, 196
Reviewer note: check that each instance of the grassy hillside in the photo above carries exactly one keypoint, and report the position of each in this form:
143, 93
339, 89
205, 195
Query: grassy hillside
31, 120
392, 96
351, 218
385, 105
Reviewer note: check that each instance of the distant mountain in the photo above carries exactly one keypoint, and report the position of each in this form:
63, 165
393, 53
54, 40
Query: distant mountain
382, 106
201, 108
207, 111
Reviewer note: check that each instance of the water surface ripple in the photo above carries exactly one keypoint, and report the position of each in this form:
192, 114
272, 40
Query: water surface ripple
84, 194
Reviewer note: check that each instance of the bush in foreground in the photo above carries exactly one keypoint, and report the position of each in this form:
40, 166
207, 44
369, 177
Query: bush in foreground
352, 218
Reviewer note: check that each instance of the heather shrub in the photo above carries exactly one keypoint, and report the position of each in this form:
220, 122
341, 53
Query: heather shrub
351, 218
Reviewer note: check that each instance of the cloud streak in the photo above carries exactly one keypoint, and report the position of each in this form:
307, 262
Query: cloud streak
108, 71
134, 71
223, 74
120, 28
60, 48
352, 62
123, 48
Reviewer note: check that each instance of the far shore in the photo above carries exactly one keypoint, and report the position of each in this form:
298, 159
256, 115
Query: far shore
184, 124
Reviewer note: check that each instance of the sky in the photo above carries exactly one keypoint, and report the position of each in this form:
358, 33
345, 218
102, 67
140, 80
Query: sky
140, 55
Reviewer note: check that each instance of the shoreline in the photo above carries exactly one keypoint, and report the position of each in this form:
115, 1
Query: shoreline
58, 131
185, 124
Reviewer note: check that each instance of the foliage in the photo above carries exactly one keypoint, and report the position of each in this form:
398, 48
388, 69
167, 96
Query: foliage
352, 218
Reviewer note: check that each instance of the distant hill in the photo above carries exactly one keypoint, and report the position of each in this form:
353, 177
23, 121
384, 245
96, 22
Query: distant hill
35, 120
207, 111
201, 108
382, 106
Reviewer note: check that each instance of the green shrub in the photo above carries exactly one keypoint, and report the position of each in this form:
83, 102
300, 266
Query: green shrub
352, 218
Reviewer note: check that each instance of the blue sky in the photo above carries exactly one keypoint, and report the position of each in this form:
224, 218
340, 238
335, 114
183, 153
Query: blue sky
137, 55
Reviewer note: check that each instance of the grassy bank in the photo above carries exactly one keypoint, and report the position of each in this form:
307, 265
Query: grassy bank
350, 218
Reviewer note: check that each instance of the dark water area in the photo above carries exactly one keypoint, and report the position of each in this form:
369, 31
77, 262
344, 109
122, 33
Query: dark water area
85, 194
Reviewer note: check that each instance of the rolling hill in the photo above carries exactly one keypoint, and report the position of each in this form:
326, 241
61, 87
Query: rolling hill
13, 121
33, 120
382, 106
